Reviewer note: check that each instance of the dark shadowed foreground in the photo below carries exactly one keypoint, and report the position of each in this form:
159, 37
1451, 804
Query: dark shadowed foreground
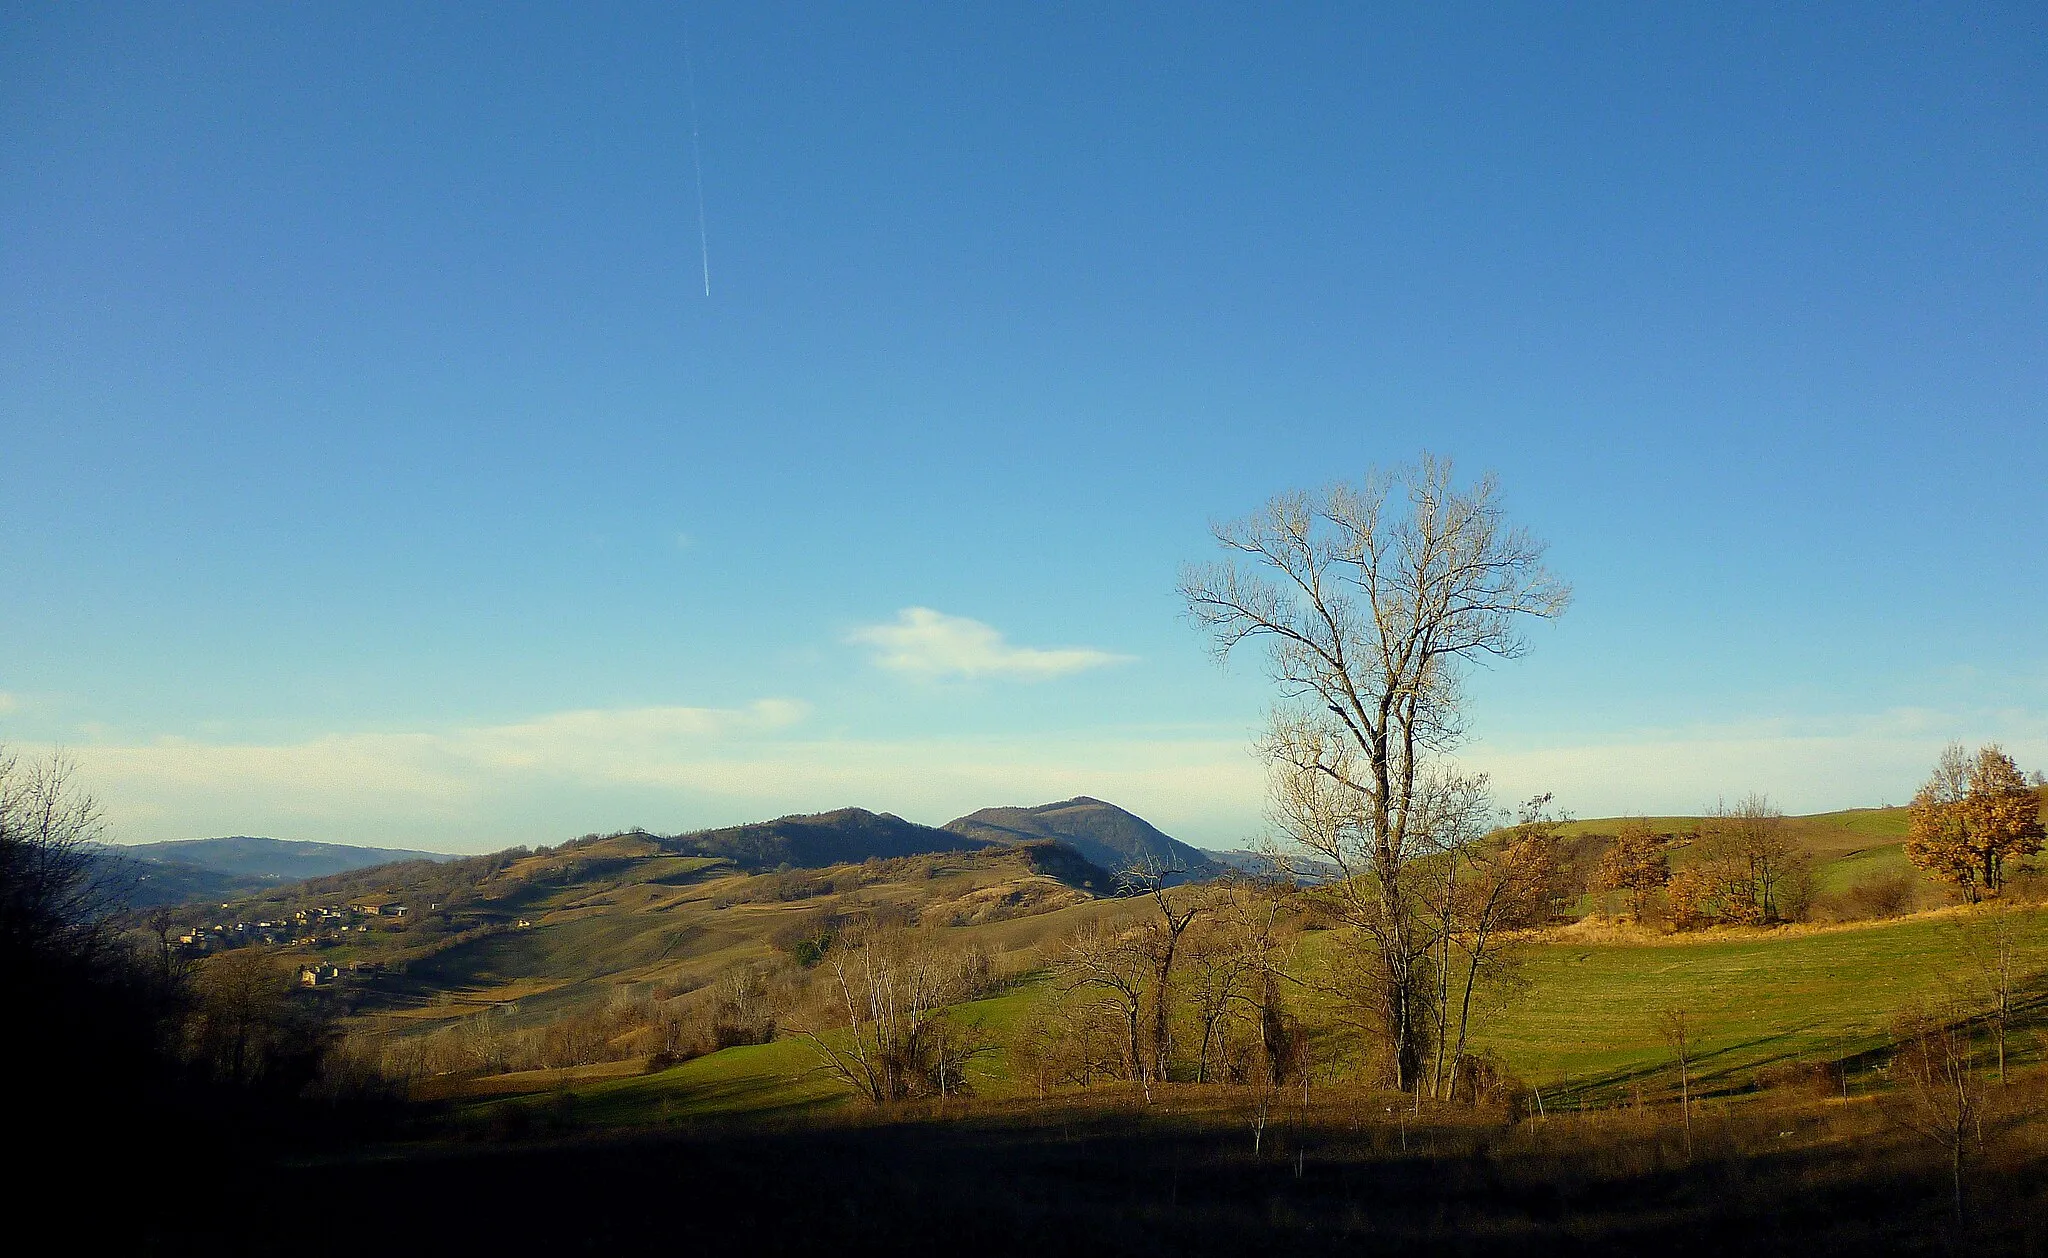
1786, 1175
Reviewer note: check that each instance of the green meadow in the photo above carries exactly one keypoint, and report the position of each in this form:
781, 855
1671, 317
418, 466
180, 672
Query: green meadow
1583, 1029
1587, 1021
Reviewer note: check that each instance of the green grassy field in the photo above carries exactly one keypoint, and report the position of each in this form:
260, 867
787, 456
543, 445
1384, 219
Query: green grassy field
1583, 1030
757, 1080
1587, 1020
1829, 835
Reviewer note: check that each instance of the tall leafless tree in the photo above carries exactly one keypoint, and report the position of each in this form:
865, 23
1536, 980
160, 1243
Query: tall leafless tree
1371, 598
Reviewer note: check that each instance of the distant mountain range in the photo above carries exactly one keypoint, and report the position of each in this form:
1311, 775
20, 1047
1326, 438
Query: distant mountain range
184, 870
274, 859
1100, 840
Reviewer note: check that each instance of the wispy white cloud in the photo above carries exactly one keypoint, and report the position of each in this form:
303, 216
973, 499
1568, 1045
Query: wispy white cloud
924, 643
8, 702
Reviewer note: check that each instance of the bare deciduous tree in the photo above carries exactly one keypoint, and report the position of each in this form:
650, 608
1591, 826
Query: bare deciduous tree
1940, 1093
1162, 936
1674, 1027
245, 1014
1992, 943
55, 903
1371, 598
1747, 869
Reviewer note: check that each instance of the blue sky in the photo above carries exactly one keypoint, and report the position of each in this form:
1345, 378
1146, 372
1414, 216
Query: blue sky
374, 468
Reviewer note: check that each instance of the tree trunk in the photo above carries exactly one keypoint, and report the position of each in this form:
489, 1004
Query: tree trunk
1685, 1101
1956, 1176
1162, 1009
1465, 1018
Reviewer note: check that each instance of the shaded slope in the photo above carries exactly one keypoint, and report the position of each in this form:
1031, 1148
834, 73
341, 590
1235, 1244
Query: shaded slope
844, 836
142, 884
1107, 835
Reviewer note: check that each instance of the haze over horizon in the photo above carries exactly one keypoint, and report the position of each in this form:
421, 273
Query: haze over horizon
377, 471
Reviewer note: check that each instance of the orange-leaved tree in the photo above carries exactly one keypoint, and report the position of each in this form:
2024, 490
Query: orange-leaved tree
1635, 863
1973, 817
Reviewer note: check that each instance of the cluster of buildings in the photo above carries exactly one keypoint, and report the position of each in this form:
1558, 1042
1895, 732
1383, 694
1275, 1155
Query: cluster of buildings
324, 974
329, 923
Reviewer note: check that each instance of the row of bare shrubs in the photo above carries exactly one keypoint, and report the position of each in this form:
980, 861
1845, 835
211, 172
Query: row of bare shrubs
663, 1028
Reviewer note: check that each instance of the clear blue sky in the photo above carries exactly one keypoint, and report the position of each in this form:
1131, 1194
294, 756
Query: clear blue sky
374, 468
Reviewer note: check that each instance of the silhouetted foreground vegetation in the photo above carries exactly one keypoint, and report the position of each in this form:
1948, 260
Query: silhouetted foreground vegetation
1351, 1172
116, 1040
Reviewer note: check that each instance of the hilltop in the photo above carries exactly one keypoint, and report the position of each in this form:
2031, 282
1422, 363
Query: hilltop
1107, 835
845, 835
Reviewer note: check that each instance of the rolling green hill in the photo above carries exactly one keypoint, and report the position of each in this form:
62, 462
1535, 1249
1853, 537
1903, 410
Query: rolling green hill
536, 934
1856, 845
539, 936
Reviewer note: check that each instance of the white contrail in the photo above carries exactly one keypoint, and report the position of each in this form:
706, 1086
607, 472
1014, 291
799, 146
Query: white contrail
697, 160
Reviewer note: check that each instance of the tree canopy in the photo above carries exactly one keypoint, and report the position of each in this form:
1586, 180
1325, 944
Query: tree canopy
1972, 817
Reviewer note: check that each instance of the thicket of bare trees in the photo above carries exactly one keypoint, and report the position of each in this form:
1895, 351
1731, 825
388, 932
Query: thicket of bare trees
1745, 870
1490, 886
1190, 991
880, 1012
1243, 1001
92, 1020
